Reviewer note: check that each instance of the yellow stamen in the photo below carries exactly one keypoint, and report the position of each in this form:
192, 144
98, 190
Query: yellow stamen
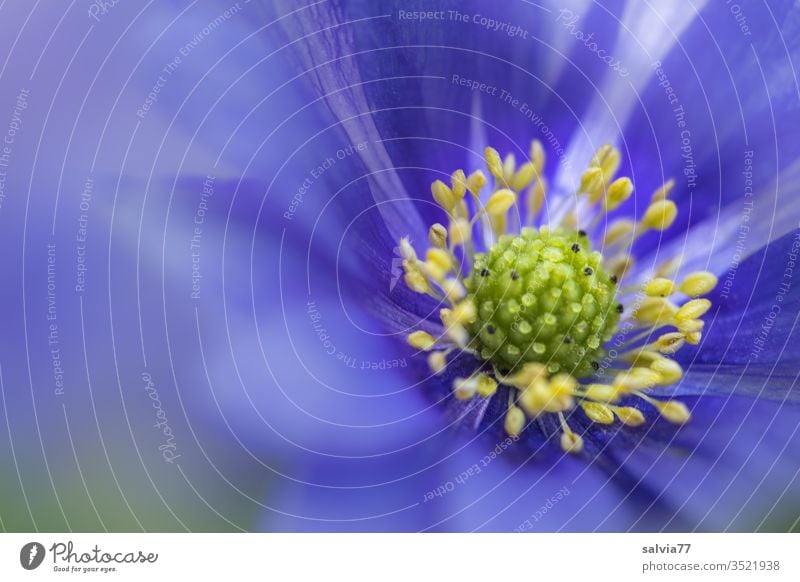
537, 156
443, 196
669, 371
524, 176
459, 182
636, 379
659, 287
669, 343
460, 231
597, 412
417, 282
529, 373
693, 309
674, 411
486, 386
601, 392
509, 168
453, 290
629, 416
476, 182
494, 163
535, 198
421, 340
618, 192
618, 230
465, 388
699, 283
437, 236
406, 250
515, 421
664, 191
592, 183
437, 362
660, 215
500, 202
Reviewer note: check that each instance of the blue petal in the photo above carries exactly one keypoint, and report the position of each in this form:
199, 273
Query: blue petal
747, 347
727, 469
722, 92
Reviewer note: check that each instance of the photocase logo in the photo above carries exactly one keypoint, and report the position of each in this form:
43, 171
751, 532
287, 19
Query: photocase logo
31, 555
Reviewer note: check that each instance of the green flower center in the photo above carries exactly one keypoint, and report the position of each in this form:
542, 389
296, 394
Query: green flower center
543, 297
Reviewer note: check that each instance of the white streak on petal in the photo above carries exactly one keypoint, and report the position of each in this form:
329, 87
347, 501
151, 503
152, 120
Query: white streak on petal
648, 32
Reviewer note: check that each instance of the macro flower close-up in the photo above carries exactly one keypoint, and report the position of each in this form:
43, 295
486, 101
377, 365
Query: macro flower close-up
401, 266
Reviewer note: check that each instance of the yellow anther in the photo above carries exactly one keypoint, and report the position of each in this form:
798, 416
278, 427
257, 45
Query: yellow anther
618, 230
669, 343
690, 326
600, 155
500, 202
537, 156
486, 386
421, 340
535, 398
524, 176
660, 215
571, 442
465, 388
476, 182
458, 334
440, 258
693, 309
636, 379
498, 223
563, 384
618, 192
437, 362
664, 191
437, 236
655, 310
610, 164
672, 410
417, 282
509, 168
629, 416
443, 196
515, 421
592, 182
699, 283
560, 390
465, 312
536, 197
460, 231
406, 250
659, 287
529, 373
601, 392
693, 337
669, 371
494, 163
597, 412
643, 358
453, 290
459, 182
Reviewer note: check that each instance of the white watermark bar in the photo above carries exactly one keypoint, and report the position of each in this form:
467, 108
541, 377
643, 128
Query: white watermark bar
373, 557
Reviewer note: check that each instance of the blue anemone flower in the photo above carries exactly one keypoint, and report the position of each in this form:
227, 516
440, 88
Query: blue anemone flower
226, 210
423, 91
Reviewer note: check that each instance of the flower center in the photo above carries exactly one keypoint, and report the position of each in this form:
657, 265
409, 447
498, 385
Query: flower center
538, 307
544, 297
